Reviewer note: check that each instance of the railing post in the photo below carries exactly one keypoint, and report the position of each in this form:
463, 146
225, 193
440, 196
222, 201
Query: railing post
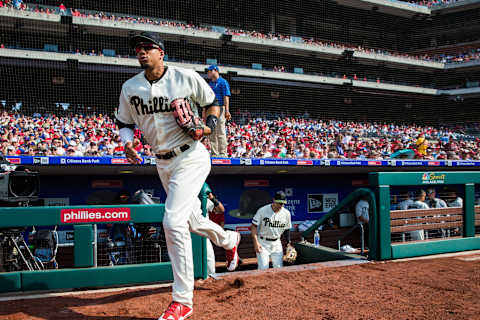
384, 234
372, 241
469, 211
95, 246
363, 239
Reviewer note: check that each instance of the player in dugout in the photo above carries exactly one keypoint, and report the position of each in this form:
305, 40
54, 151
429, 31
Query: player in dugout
268, 225
406, 201
433, 201
419, 203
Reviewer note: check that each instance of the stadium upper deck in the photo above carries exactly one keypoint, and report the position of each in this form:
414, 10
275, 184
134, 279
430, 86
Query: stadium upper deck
346, 27
321, 64
288, 18
186, 42
330, 39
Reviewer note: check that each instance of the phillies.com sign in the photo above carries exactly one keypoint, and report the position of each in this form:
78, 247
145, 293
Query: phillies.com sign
93, 215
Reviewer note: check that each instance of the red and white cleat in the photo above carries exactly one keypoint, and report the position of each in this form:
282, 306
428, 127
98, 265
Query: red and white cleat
232, 256
176, 311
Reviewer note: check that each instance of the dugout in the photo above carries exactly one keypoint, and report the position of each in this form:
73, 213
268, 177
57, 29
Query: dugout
337, 187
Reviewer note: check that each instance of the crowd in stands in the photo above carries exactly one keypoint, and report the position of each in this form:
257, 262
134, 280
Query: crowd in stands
460, 57
301, 137
94, 135
317, 139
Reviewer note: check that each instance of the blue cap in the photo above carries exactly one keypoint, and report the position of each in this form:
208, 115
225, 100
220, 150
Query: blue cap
213, 67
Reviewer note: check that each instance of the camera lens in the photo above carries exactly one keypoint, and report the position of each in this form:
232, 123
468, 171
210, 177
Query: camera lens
23, 185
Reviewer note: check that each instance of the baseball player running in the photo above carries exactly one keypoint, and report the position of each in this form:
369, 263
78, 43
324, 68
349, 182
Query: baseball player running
268, 224
161, 101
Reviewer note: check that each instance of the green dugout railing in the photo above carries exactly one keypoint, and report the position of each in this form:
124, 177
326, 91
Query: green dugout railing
382, 181
84, 275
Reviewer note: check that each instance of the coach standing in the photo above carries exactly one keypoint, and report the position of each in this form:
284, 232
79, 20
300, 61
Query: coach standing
218, 138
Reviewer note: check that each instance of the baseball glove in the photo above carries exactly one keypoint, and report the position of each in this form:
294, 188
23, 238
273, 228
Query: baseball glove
186, 118
291, 254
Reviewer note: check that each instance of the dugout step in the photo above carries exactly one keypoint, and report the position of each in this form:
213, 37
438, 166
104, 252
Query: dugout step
309, 253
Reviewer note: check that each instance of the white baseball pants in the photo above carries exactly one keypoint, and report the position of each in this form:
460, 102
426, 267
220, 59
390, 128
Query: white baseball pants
270, 249
182, 178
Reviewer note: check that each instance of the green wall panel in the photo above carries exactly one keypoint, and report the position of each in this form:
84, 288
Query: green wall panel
83, 250
49, 216
469, 211
96, 277
10, 282
434, 247
384, 234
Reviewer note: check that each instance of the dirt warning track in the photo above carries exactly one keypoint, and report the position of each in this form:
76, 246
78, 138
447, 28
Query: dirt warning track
444, 288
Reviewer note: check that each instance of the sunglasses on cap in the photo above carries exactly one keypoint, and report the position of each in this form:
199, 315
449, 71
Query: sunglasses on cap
147, 46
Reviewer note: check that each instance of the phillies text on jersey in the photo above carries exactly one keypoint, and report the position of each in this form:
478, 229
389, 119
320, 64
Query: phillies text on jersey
147, 104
